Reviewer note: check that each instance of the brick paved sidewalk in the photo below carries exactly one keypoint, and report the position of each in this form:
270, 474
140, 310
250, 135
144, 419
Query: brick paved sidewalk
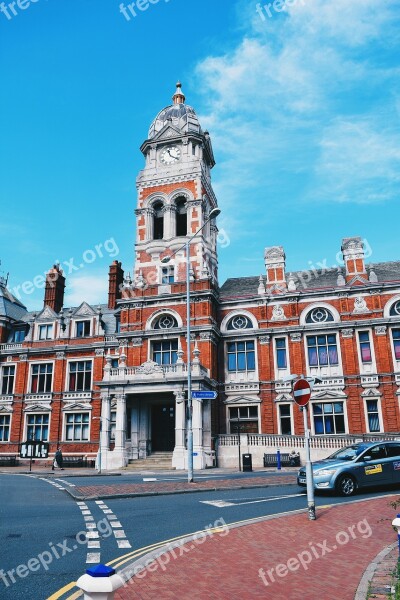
383, 580
174, 487
300, 559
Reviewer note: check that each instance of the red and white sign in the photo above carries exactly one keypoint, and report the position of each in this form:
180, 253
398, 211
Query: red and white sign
302, 392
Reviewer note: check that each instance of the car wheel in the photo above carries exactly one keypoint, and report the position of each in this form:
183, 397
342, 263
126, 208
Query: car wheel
346, 485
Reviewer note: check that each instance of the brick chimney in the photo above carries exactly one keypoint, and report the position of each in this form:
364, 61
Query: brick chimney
54, 289
354, 258
115, 282
275, 265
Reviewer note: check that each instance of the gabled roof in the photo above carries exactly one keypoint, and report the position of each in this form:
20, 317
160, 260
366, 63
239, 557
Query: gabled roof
10, 306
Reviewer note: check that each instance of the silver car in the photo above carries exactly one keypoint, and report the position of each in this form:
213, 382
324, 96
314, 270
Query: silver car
365, 464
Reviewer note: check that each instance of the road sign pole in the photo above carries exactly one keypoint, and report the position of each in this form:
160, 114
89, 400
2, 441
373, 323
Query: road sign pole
309, 472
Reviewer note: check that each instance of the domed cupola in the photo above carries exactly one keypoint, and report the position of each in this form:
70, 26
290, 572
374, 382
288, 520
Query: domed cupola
182, 116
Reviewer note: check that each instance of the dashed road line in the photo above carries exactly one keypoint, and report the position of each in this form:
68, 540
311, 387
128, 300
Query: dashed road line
119, 533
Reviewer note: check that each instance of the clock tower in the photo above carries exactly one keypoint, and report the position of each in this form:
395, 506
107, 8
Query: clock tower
175, 197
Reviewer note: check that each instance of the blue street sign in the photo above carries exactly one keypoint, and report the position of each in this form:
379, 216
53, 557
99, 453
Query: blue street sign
203, 395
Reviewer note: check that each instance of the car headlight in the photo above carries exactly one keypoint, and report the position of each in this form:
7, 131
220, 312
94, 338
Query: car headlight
326, 472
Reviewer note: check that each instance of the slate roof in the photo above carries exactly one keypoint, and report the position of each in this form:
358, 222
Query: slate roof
108, 316
10, 306
242, 287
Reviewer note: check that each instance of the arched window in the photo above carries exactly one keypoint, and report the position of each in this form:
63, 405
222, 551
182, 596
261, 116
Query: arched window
158, 229
319, 315
239, 322
395, 310
181, 217
166, 322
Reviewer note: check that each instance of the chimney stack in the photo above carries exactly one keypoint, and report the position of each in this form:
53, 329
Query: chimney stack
115, 283
54, 289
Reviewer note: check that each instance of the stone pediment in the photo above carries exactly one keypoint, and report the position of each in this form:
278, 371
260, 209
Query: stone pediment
77, 406
167, 132
84, 310
47, 314
371, 393
5, 408
359, 280
36, 407
329, 395
284, 398
243, 400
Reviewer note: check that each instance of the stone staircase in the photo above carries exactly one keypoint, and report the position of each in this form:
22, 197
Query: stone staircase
157, 461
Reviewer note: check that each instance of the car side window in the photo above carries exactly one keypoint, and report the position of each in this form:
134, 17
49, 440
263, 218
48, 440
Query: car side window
393, 450
377, 452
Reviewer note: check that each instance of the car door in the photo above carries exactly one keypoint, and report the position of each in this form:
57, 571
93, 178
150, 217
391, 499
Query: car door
393, 453
378, 470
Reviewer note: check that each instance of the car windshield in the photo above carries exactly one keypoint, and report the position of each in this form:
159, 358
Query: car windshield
348, 453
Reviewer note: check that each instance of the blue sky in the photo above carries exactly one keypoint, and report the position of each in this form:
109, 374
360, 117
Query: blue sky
302, 105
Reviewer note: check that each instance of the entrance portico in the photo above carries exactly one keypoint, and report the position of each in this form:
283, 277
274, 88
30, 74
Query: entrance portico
150, 407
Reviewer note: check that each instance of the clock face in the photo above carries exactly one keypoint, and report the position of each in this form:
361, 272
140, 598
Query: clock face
170, 155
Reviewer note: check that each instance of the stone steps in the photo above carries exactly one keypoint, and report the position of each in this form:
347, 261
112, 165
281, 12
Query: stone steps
158, 461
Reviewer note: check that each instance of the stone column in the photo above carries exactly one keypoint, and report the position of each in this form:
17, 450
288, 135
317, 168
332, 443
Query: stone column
118, 457
198, 448
179, 457
105, 423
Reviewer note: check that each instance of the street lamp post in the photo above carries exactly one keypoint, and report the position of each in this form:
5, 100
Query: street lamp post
213, 214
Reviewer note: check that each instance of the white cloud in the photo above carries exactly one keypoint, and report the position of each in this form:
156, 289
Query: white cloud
300, 95
92, 289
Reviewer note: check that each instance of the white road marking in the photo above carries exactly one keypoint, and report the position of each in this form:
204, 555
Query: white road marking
88, 518
150, 479
86, 512
223, 503
99, 502
93, 544
107, 511
92, 558
119, 533
66, 482
112, 517
123, 544
115, 524
90, 525
92, 535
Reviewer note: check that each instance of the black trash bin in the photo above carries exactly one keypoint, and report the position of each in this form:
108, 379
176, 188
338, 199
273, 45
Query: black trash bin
247, 462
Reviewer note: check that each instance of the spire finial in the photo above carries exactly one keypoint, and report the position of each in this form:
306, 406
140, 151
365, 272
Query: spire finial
179, 97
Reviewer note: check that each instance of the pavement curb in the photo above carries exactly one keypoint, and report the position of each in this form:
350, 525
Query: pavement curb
362, 590
172, 492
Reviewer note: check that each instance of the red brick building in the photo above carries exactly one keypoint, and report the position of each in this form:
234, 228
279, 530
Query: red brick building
66, 370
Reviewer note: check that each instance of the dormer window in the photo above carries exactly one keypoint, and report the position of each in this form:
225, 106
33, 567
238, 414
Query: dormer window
82, 328
45, 332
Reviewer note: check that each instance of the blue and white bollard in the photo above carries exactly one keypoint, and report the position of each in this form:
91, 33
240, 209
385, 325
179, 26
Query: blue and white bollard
100, 583
278, 460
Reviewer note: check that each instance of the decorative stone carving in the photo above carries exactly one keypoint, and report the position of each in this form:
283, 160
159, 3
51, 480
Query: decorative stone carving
295, 337
60, 355
278, 313
373, 277
380, 330
23, 357
347, 333
292, 287
9, 359
99, 352
138, 341
340, 282
261, 286
149, 368
360, 305
265, 339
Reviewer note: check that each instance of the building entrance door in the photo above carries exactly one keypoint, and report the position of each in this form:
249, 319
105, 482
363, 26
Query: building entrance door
163, 427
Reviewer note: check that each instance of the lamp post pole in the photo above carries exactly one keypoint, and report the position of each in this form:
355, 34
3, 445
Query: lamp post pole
213, 214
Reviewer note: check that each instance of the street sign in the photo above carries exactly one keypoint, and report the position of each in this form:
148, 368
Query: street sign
203, 395
302, 392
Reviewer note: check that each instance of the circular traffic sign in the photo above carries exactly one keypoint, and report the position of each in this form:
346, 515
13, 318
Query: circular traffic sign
302, 392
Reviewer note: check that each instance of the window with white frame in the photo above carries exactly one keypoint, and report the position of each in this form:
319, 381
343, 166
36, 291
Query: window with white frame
45, 331
328, 418
37, 427
243, 419
365, 347
241, 356
281, 353
82, 328
396, 343
7, 379
239, 322
285, 419
165, 352
18, 336
322, 350
395, 310
374, 425
77, 427
167, 275
80, 376
41, 378
5, 428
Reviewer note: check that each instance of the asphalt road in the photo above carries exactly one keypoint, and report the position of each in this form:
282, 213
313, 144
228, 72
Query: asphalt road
40, 523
